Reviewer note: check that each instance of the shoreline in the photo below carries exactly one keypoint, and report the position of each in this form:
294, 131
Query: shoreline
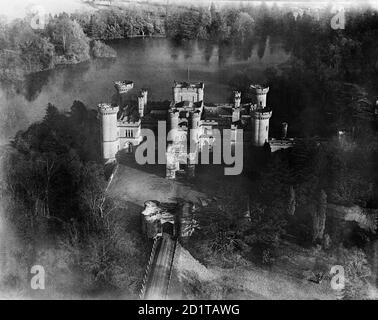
68, 63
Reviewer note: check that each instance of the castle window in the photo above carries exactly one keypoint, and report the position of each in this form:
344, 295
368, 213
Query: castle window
266, 128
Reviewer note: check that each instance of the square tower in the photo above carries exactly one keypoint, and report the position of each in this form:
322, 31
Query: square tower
184, 91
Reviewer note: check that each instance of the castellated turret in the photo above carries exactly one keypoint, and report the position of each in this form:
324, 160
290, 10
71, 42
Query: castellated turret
172, 164
173, 123
123, 86
109, 130
260, 92
142, 102
144, 94
195, 126
260, 115
236, 107
237, 99
141, 106
260, 127
284, 130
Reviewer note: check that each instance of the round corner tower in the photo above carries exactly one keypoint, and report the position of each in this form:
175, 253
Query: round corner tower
237, 99
260, 92
144, 94
109, 130
174, 123
260, 116
260, 127
195, 126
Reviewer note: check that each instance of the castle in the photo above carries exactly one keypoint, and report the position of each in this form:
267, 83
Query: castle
189, 120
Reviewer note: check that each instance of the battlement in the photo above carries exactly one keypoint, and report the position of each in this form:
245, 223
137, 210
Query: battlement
187, 85
174, 112
206, 121
123, 86
259, 89
106, 108
261, 114
279, 144
125, 123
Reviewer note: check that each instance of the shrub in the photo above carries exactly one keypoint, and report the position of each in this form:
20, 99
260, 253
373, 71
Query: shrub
102, 50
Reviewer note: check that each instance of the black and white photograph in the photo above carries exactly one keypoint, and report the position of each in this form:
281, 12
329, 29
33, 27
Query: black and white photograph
179, 151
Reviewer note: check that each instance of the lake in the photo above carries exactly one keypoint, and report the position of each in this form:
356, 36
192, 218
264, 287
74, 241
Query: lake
153, 63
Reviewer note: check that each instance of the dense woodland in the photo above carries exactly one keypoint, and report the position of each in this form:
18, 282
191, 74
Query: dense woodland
55, 204
54, 184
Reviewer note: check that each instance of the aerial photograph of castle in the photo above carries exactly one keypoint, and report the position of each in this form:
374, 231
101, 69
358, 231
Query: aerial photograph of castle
187, 151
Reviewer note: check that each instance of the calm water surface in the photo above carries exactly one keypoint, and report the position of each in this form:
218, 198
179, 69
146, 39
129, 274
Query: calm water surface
152, 63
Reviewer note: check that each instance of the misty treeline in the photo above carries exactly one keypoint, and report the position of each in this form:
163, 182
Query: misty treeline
57, 210
24, 50
309, 36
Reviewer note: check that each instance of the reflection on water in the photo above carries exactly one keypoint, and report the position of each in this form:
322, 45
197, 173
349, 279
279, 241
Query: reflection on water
151, 63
